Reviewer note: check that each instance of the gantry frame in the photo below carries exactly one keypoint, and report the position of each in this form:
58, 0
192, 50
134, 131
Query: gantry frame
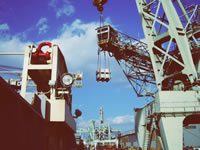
172, 33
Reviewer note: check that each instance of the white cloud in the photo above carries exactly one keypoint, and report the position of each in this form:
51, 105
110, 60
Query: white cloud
4, 27
85, 124
41, 21
23, 35
78, 44
42, 25
108, 21
65, 8
122, 119
43, 29
123, 123
4, 31
13, 44
52, 3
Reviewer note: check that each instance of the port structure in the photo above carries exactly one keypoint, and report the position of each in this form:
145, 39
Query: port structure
38, 105
45, 76
171, 63
172, 32
132, 56
101, 136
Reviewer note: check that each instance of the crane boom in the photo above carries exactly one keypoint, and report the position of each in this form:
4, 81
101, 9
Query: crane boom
132, 56
171, 63
167, 63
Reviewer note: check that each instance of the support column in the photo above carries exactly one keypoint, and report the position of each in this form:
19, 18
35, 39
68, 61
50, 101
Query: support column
25, 71
171, 129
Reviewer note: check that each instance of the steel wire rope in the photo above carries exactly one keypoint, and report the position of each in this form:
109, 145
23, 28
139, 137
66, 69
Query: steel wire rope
8, 70
108, 63
100, 38
105, 60
99, 59
101, 19
9, 67
105, 64
99, 49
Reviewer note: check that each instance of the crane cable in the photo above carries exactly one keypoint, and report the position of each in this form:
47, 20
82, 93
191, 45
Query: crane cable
101, 19
11, 70
99, 49
106, 59
101, 37
99, 59
99, 5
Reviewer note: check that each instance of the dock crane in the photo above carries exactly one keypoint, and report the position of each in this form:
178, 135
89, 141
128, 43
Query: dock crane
171, 63
101, 136
129, 54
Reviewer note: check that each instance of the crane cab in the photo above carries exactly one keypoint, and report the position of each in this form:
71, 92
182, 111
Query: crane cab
105, 35
103, 74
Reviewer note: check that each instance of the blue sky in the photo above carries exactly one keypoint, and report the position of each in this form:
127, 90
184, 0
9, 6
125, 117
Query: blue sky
71, 24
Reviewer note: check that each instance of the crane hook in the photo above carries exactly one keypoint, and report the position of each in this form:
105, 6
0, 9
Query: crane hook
99, 4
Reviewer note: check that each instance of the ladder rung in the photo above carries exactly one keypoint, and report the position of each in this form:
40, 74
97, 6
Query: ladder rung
149, 27
147, 19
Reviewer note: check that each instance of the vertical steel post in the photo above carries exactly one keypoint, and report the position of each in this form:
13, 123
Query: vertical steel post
170, 104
